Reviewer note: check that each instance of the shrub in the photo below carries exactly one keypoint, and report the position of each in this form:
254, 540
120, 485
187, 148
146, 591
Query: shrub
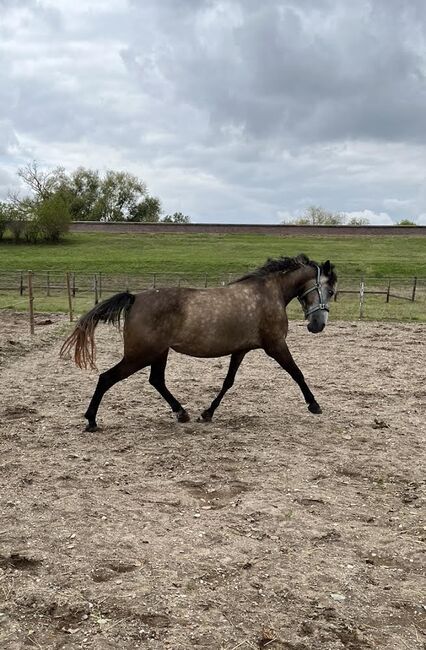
406, 222
317, 216
51, 218
4, 218
177, 217
18, 224
32, 232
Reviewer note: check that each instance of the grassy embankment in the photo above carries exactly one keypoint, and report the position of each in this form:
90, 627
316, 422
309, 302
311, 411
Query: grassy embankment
380, 257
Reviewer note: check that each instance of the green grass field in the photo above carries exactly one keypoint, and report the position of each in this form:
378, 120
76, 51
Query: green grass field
217, 255
139, 254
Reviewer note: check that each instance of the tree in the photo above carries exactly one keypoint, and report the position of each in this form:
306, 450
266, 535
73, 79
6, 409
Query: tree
42, 184
119, 194
406, 222
44, 214
57, 197
176, 217
316, 216
148, 210
115, 196
4, 217
357, 221
82, 189
21, 212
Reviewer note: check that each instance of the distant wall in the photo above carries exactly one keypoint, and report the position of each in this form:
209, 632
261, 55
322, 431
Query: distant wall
220, 228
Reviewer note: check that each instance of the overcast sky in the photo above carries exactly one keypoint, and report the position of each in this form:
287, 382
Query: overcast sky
231, 111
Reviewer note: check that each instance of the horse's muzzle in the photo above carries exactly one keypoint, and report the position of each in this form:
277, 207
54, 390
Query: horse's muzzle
315, 327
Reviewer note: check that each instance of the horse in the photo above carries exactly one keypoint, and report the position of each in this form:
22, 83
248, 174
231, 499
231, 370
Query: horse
246, 314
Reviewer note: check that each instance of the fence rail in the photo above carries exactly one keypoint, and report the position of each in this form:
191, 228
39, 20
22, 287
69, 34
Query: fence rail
33, 287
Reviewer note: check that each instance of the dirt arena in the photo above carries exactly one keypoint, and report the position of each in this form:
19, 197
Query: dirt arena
268, 528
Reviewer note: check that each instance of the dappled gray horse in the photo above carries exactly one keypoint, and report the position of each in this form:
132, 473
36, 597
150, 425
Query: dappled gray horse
246, 314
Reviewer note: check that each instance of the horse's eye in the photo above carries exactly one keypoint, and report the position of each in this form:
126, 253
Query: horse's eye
330, 292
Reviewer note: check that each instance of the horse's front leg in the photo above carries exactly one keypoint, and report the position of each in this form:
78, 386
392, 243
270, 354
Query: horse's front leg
236, 359
281, 354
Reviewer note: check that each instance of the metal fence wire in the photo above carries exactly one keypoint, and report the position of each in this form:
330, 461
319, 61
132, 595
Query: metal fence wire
54, 283
83, 289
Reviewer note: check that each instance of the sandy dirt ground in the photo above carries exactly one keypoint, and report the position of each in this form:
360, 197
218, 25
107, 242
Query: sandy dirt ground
268, 528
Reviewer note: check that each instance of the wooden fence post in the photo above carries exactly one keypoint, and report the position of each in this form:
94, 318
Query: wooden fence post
388, 291
31, 300
95, 288
47, 283
69, 296
73, 285
413, 295
21, 286
361, 298
100, 284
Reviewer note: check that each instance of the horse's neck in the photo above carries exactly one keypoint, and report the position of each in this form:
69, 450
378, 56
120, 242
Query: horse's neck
291, 283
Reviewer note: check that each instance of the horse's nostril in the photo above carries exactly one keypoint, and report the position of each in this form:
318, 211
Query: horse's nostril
315, 327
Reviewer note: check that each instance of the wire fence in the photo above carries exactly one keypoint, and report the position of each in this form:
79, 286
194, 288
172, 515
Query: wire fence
75, 292
98, 285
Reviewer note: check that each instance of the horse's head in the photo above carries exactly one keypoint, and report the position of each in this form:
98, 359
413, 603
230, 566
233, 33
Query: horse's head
315, 296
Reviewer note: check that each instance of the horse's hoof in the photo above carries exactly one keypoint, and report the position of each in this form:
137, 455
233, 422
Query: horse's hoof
315, 408
182, 416
91, 428
205, 417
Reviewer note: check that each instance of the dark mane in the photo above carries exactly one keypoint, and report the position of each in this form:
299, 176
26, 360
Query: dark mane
279, 265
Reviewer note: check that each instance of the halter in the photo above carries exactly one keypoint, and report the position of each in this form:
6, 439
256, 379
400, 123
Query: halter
322, 305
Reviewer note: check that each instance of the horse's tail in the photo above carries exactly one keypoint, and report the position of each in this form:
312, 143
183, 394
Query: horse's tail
82, 339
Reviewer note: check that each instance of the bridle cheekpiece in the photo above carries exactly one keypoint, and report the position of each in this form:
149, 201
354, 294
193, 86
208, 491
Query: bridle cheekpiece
322, 305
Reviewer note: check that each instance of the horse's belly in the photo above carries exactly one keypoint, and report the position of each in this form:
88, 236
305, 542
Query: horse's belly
205, 347
204, 353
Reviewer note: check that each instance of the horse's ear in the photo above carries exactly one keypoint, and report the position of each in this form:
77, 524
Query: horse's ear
326, 267
302, 258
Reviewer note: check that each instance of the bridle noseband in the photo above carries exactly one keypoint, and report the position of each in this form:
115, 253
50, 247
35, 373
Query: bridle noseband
322, 304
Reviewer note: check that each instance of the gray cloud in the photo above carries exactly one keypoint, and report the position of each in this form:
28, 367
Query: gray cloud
273, 72
231, 110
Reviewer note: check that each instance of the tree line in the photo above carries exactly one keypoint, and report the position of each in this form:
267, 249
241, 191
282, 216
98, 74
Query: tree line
55, 198
314, 215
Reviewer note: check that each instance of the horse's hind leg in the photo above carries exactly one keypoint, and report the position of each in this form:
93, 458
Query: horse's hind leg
106, 380
234, 364
157, 379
